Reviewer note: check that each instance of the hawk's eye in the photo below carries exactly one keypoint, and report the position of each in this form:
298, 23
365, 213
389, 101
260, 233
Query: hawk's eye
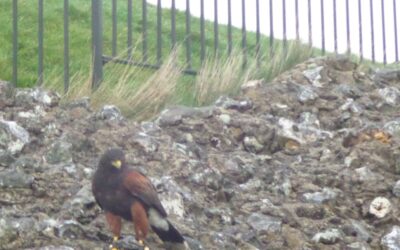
116, 163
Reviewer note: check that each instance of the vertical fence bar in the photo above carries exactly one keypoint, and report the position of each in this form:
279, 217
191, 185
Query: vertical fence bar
159, 32
271, 29
173, 24
297, 20
15, 43
144, 31
372, 30
114, 28
348, 27
334, 27
202, 34
323, 26
216, 40
395, 31
284, 26
258, 32
40, 42
188, 37
383, 32
244, 33
309, 24
360, 32
129, 24
66, 45
229, 27
97, 43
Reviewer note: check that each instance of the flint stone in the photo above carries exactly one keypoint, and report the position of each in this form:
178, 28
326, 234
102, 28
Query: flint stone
15, 179
380, 207
328, 237
59, 152
390, 95
396, 189
174, 116
70, 229
45, 97
29, 96
391, 241
84, 197
365, 174
7, 232
52, 248
229, 103
148, 144
327, 194
387, 74
264, 223
13, 136
393, 127
252, 145
358, 229
225, 118
252, 84
358, 246
306, 95
314, 75
110, 113
173, 203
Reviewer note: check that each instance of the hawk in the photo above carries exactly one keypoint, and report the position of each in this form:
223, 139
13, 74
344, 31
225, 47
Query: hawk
124, 193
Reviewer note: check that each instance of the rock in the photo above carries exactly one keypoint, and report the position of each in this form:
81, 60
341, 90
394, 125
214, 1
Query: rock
396, 189
387, 75
327, 194
358, 246
252, 84
225, 118
380, 207
393, 127
146, 143
228, 103
69, 229
110, 113
173, 204
26, 97
365, 174
391, 241
252, 145
15, 179
174, 116
390, 95
51, 248
84, 197
314, 75
59, 152
7, 232
306, 95
13, 137
45, 97
328, 237
264, 223
358, 229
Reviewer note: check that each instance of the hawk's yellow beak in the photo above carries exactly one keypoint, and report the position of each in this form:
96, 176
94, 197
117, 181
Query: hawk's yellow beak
117, 164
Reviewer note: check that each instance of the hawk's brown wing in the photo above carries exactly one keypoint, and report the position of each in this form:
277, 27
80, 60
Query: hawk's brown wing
141, 187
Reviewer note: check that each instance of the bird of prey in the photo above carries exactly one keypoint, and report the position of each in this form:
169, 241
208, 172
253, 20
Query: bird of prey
124, 193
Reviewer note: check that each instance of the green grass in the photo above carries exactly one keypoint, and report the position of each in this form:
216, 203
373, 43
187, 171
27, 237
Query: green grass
221, 74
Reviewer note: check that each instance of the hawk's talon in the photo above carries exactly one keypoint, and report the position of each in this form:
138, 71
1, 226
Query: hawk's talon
141, 242
112, 247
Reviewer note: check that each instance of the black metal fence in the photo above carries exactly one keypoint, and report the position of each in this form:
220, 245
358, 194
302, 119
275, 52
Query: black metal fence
322, 14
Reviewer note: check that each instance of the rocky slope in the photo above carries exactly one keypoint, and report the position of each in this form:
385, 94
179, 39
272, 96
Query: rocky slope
308, 161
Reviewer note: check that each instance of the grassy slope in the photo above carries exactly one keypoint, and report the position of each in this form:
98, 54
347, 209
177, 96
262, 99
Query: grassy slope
121, 82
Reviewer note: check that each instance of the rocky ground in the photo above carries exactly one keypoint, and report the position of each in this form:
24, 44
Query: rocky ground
308, 161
